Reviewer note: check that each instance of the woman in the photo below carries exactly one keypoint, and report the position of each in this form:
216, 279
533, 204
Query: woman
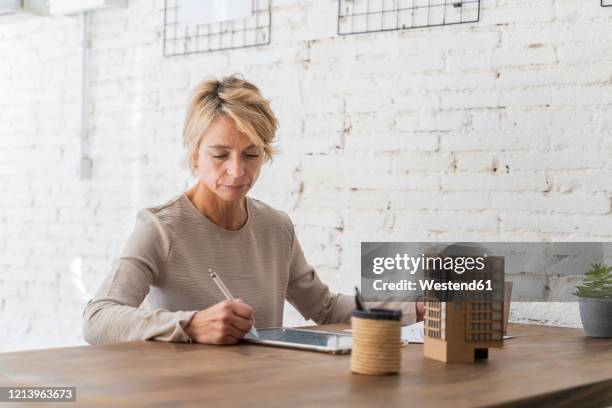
228, 134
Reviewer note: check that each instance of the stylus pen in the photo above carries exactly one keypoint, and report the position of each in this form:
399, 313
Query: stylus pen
228, 295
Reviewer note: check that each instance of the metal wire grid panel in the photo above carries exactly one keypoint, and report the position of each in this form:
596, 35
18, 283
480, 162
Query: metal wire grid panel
181, 39
366, 16
606, 3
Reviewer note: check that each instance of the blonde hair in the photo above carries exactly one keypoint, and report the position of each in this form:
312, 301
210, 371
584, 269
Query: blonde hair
233, 97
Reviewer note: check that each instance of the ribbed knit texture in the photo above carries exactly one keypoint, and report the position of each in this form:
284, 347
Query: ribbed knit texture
168, 255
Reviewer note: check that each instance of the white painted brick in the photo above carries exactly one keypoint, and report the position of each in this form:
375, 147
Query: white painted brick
409, 161
573, 225
430, 60
525, 36
316, 234
481, 98
580, 52
583, 95
368, 219
521, 12
313, 124
439, 220
337, 171
373, 102
534, 54
319, 144
527, 286
417, 99
558, 313
318, 104
468, 60
494, 141
341, 199
391, 142
584, 181
592, 127
371, 124
393, 182
546, 121
526, 97
557, 160
471, 39
554, 75
417, 200
321, 255
360, 234
497, 130
561, 203
516, 181
431, 121
476, 161
312, 217
485, 119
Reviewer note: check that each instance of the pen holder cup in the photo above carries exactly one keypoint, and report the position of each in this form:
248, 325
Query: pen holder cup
376, 341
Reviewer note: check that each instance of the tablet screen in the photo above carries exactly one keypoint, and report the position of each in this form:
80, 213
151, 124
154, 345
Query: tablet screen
302, 337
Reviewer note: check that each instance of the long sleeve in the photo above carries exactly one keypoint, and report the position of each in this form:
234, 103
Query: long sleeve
311, 297
114, 315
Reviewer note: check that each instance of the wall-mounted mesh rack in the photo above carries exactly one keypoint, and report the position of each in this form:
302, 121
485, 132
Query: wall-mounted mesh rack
180, 39
367, 16
606, 3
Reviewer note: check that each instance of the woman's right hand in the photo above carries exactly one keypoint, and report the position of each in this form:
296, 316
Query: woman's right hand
223, 323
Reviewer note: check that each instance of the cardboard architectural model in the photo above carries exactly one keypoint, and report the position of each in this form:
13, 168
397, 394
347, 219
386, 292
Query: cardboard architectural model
461, 330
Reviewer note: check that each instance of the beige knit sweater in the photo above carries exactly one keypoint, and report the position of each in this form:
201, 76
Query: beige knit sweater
168, 255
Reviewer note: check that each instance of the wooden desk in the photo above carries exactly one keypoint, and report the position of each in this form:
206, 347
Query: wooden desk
541, 366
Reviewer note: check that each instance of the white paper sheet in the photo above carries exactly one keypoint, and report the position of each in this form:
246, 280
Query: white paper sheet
413, 333
196, 12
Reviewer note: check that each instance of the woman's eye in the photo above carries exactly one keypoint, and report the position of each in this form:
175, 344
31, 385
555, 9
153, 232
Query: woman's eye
219, 156
252, 156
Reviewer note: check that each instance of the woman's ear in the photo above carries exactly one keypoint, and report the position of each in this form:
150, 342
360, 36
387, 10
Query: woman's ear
194, 162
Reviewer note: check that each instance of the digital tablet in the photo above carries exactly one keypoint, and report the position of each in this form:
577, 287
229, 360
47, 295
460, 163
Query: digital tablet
303, 339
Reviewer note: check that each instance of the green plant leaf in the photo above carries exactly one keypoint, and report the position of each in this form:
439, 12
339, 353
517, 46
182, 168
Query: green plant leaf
597, 282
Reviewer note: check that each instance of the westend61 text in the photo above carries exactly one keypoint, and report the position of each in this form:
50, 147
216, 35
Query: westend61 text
428, 284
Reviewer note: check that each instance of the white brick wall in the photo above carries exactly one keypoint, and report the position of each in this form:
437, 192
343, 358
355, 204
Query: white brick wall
497, 130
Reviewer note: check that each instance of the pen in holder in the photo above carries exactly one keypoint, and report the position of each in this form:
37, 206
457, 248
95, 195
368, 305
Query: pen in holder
376, 341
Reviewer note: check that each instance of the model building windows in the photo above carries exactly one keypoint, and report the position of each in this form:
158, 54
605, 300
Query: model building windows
435, 312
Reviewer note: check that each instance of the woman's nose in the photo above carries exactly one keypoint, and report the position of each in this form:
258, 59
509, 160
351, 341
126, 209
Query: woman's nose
235, 168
